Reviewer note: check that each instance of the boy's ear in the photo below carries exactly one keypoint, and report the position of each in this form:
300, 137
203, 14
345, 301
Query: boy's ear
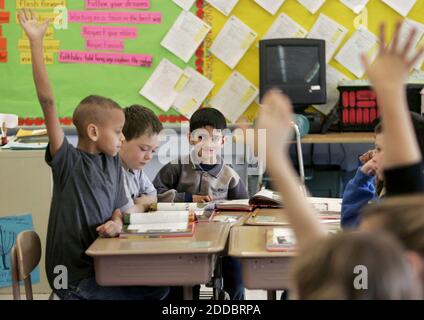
190, 140
93, 132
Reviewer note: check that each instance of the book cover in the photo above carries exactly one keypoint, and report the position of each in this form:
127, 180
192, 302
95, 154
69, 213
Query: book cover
280, 239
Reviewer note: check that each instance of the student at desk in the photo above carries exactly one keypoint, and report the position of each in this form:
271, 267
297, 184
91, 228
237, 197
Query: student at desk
88, 184
141, 131
203, 177
368, 183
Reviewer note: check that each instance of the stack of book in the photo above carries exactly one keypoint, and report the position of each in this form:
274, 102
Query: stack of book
160, 224
30, 139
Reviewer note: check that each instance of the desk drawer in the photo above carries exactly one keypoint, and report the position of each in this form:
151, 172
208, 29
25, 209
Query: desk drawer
154, 270
266, 273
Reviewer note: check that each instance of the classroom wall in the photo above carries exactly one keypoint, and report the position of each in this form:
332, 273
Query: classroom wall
72, 82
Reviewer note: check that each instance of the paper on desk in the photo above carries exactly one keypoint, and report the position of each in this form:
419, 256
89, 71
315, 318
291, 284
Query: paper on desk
233, 41
185, 35
417, 42
271, 6
194, 93
349, 55
185, 4
224, 6
355, 5
326, 204
312, 5
401, 6
234, 97
285, 27
168, 226
167, 78
333, 78
329, 30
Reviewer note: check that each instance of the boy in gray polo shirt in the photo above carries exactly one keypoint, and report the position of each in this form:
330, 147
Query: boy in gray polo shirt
141, 131
202, 177
88, 184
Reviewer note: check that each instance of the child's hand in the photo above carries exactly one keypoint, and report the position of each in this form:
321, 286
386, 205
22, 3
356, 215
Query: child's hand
33, 30
276, 117
369, 168
109, 229
391, 67
200, 198
367, 156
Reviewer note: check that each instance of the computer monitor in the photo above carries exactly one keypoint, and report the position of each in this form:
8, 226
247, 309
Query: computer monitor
297, 67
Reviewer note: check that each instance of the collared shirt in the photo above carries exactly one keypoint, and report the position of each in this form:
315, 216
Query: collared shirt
137, 183
176, 182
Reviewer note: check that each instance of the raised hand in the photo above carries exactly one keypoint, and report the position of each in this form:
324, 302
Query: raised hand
393, 62
33, 30
276, 117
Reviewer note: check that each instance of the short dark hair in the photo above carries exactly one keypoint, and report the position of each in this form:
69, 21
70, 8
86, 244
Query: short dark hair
92, 109
417, 123
140, 120
207, 117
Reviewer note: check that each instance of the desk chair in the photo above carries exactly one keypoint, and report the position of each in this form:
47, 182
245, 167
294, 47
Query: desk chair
25, 256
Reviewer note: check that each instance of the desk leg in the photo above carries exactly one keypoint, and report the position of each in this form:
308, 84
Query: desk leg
188, 293
271, 294
218, 286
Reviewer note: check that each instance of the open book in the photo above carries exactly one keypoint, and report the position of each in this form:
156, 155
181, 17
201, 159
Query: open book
280, 239
265, 198
159, 224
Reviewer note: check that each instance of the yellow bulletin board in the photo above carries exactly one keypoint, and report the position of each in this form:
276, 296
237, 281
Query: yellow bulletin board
260, 20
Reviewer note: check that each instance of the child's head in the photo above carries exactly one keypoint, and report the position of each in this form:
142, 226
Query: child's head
355, 266
99, 122
207, 127
141, 131
403, 217
418, 124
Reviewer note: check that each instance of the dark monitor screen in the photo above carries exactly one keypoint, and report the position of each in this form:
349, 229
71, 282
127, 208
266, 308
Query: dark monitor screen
293, 65
296, 66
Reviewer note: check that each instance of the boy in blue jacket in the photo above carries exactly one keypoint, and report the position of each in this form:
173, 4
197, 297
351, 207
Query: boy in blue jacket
368, 183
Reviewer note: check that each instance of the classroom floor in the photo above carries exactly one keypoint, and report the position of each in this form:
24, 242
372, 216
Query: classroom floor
205, 293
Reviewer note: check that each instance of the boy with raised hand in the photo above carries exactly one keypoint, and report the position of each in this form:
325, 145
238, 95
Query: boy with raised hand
87, 183
388, 75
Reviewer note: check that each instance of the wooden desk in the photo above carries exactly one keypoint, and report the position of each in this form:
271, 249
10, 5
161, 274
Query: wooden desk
261, 269
160, 261
340, 137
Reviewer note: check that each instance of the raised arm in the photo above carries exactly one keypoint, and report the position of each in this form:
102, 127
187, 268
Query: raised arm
276, 117
388, 75
35, 33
